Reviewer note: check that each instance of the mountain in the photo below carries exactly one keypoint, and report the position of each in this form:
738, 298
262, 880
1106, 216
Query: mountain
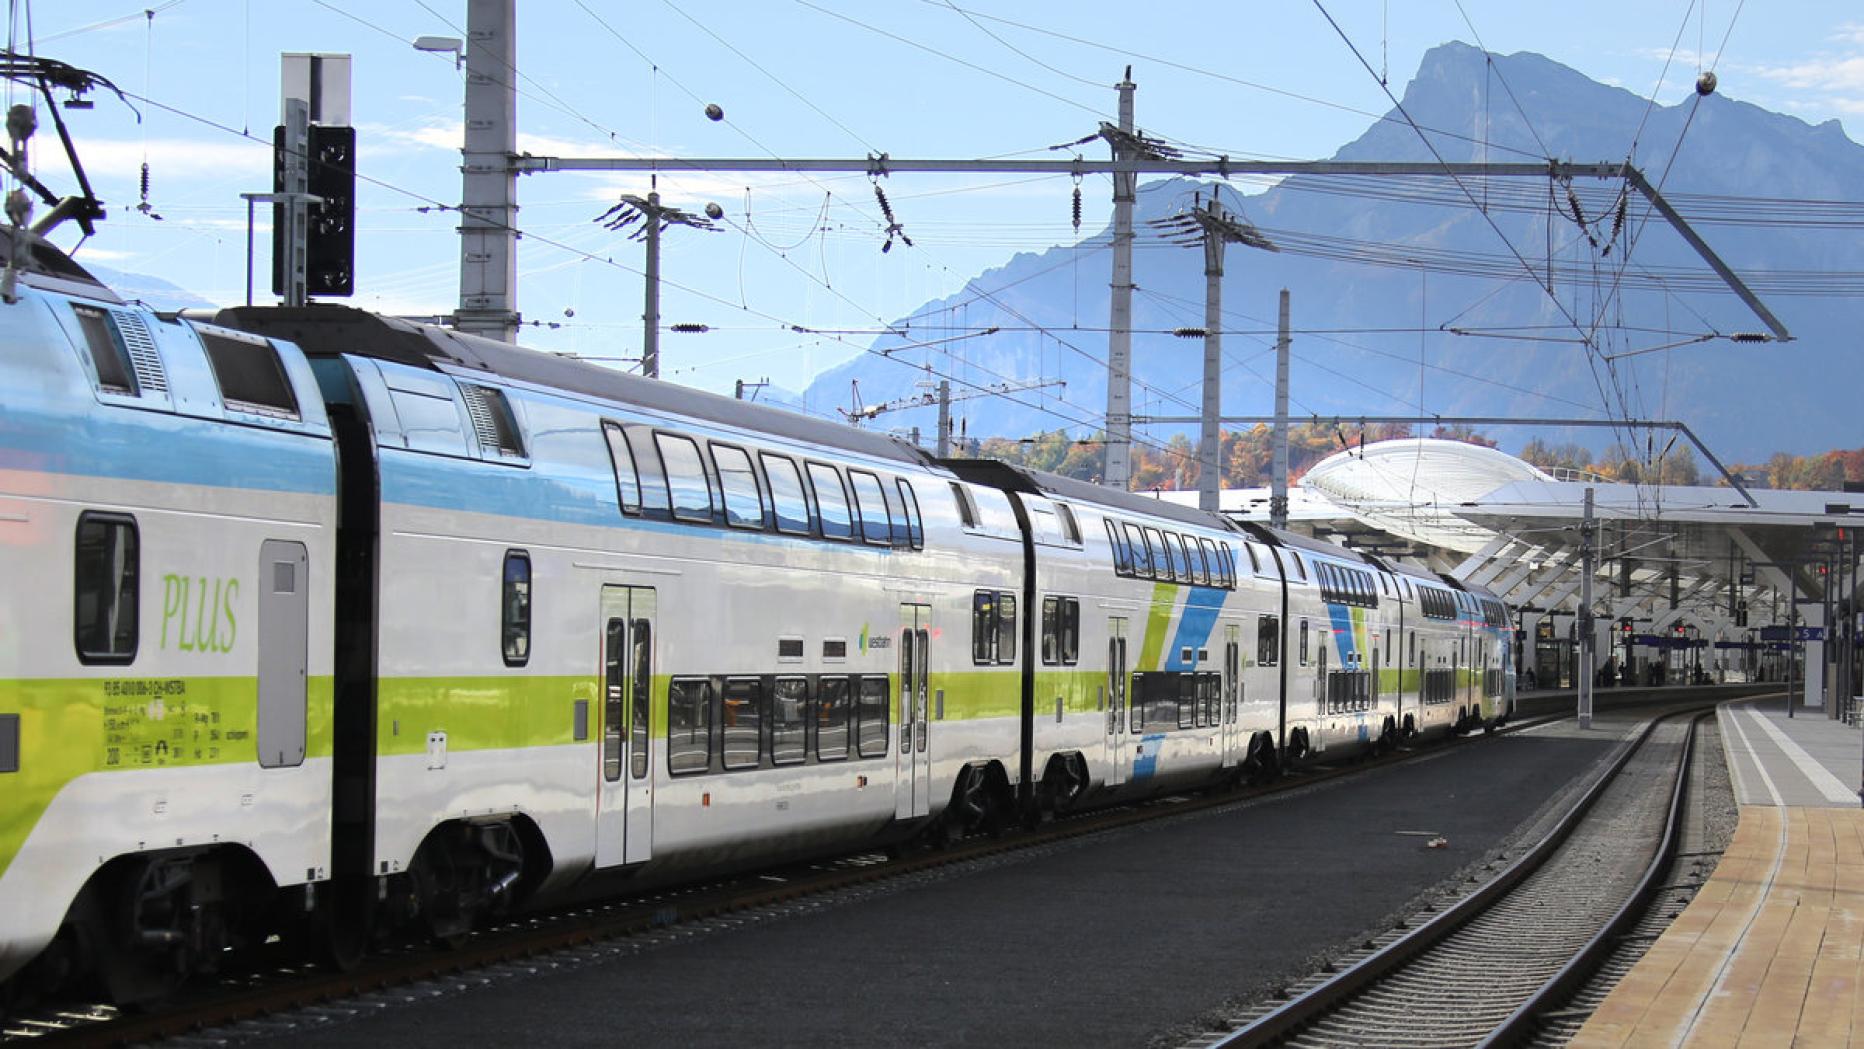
159, 293
1360, 328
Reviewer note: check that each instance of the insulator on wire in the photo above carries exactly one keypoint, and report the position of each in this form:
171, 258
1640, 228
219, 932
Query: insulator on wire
1572, 201
145, 182
886, 209
1077, 208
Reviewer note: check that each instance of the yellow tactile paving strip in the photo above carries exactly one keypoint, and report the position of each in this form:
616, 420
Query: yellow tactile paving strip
1768, 954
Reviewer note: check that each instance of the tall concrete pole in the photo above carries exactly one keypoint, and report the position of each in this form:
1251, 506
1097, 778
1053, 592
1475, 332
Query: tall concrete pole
1209, 478
1586, 632
944, 418
650, 316
488, 180
1278, 490
1118, 469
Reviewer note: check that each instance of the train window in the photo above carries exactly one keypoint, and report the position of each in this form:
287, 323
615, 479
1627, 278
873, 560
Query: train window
740, 722
1071, 528
834, 649
1141, 552
252, 379
627, 481
737, 482
789, 650
1383, 588
1304, 642
786, 493
1268, 641
643, 636
1061, 630
1180, 561
1202, 556
983, 627
870, 716
492, 422
653, 475
1006, 628
1388, 647
831, 718
689, 725
1190, 708
789, 720
967, 510
832, 501
1300, 566
689, 491
1122, 557
915, 525
1160, 557
871, 508
1413, 634
515, 608
108, 353
614, 680
104, 600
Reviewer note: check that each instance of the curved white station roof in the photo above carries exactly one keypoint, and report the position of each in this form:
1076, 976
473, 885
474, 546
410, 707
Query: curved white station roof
1415, 487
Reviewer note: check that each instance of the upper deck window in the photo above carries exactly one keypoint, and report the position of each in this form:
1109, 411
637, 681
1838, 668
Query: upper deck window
250, 375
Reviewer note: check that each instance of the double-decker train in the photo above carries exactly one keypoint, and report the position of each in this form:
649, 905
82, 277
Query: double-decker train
329, 625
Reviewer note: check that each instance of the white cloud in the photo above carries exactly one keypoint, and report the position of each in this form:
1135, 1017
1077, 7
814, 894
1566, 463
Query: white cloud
173, 157
1825, 73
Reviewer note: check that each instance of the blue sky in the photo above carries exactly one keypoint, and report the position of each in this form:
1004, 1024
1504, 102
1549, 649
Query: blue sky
805, 78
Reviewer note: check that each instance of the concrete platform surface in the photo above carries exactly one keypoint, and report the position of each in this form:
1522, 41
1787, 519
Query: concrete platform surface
1770, 953
1806, 759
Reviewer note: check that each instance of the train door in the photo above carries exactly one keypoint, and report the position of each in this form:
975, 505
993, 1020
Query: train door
1232, 690
624, 797
912, 796
284, 642
1119, 760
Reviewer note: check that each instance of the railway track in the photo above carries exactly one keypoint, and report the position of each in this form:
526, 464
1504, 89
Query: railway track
560, 936
1512, 961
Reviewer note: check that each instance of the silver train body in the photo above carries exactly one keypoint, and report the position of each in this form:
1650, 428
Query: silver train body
338, 626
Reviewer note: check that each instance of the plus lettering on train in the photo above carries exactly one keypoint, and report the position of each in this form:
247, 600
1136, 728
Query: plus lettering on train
198, 613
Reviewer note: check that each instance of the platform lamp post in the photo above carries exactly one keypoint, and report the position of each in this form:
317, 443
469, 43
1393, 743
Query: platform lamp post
653, 217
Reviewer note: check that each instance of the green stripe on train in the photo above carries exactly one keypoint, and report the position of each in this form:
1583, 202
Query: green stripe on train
513, 711
69, 727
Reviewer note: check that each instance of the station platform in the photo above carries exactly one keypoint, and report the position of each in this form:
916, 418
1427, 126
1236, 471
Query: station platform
1771, 951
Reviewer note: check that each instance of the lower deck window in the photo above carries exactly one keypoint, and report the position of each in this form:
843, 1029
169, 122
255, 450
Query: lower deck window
789, 723
689, 725
831, 718
871, 734
108, 564
741, 722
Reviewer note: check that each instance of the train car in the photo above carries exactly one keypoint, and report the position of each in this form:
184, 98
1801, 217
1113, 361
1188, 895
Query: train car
168, 513
623, 627
1334, 626
1494, 634
1138, 683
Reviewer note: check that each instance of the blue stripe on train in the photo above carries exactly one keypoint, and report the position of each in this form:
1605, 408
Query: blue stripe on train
139, 445
1195, 624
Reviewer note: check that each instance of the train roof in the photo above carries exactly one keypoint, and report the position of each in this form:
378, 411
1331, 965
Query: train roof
1038, 482
324, 330
1295, 540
